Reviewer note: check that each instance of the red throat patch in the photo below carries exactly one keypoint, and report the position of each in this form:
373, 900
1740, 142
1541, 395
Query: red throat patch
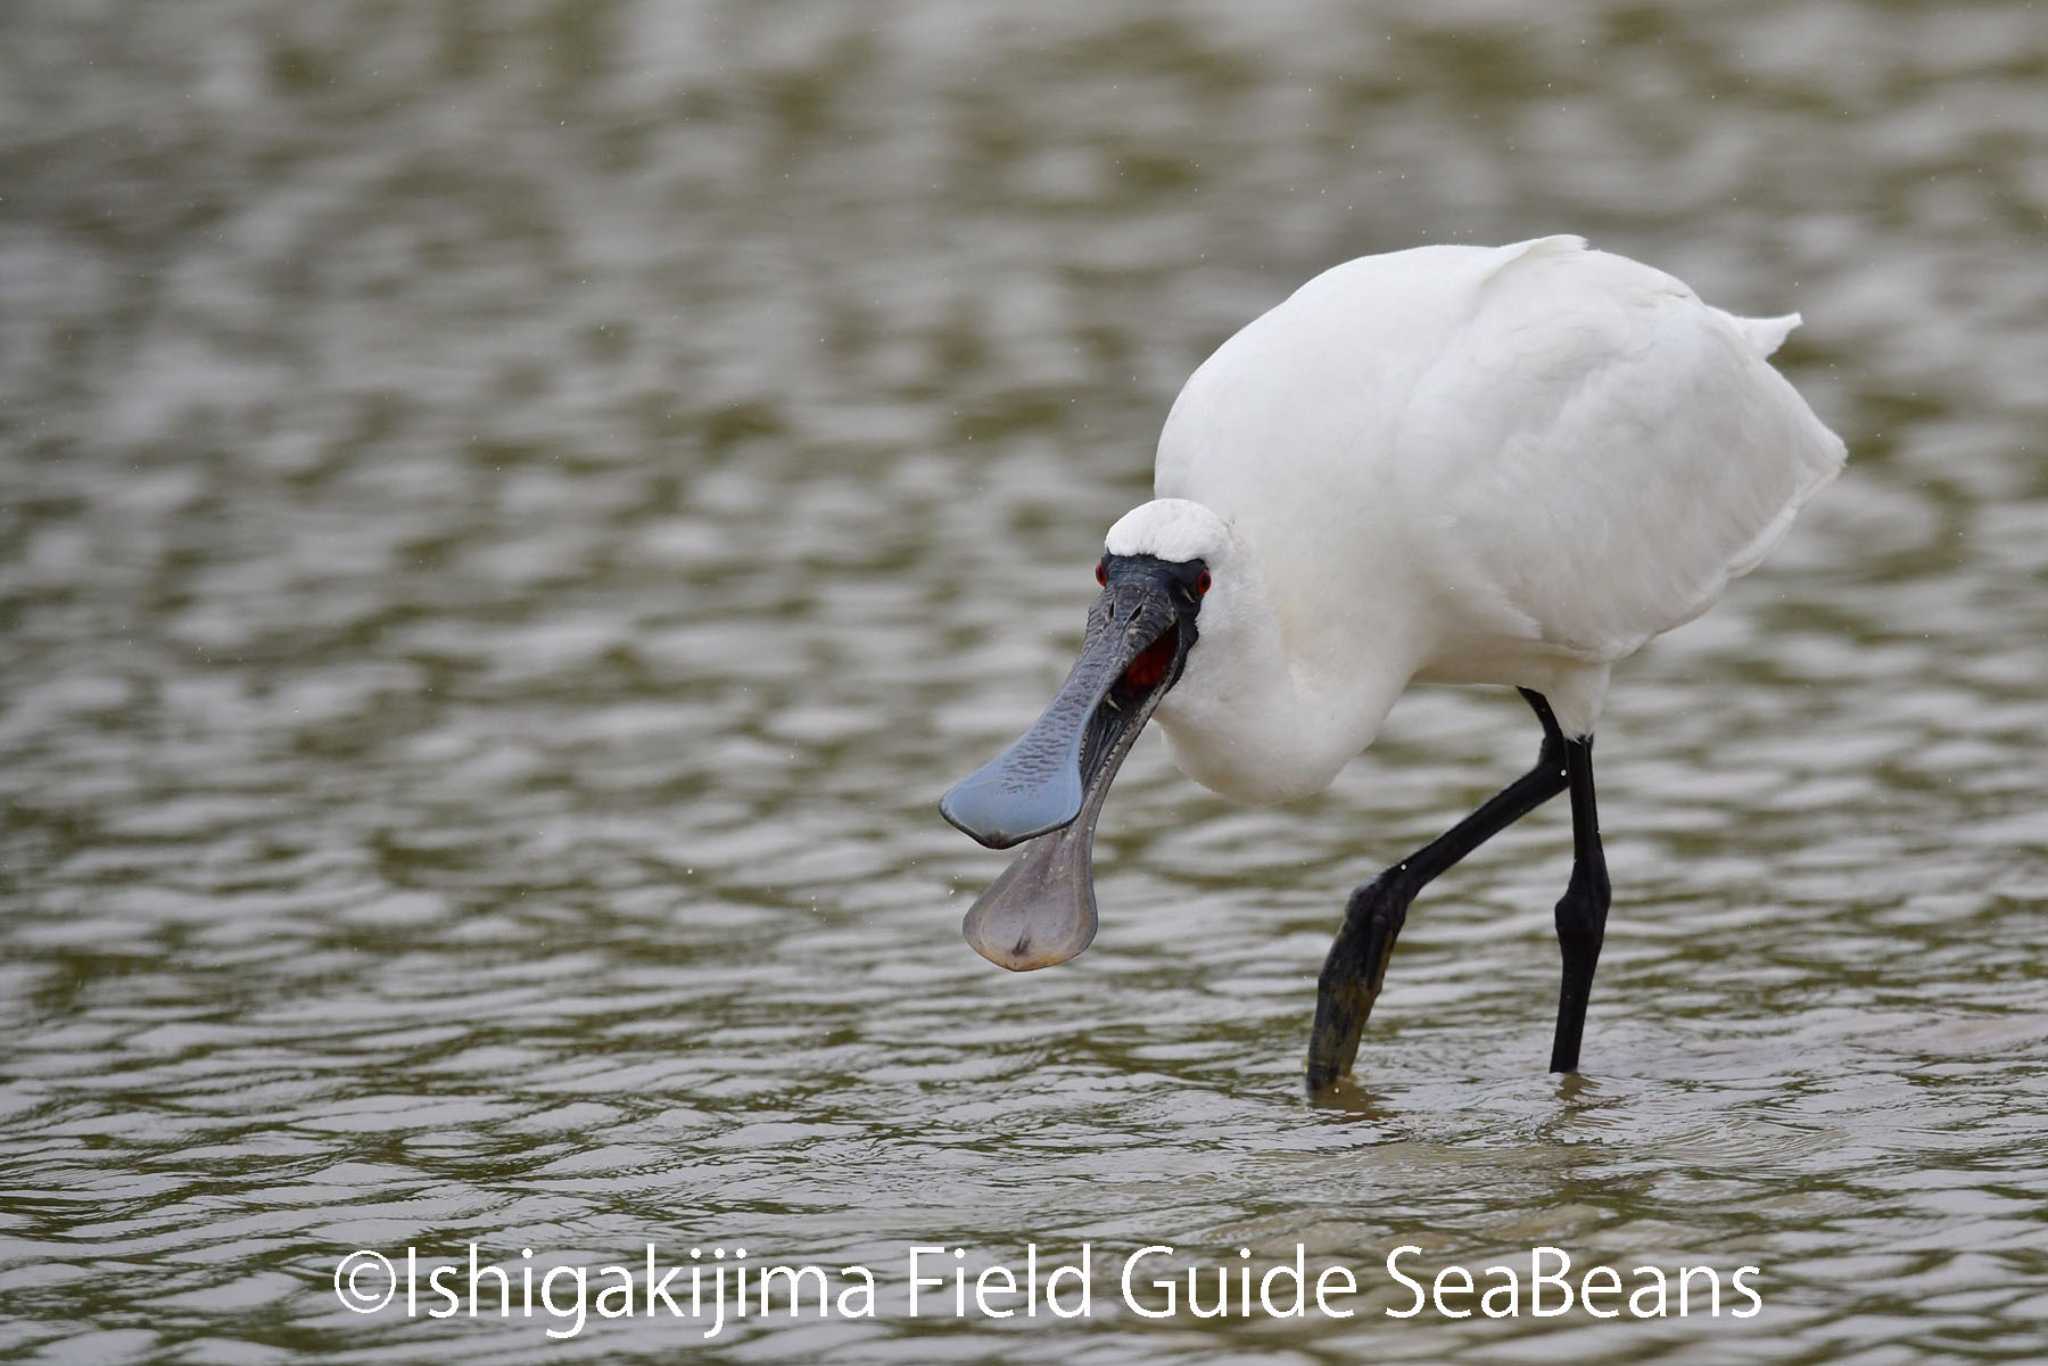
1152, 662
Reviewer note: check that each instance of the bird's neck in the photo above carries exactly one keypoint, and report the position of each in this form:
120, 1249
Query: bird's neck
1266, 718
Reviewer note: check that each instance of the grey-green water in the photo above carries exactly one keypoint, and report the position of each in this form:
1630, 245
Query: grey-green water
514, 512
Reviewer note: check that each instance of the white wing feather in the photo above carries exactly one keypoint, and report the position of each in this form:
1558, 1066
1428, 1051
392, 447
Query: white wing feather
1465, 465
1504, 465
1600, 453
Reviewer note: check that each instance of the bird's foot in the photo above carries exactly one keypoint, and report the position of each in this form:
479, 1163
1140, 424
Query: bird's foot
1351, 977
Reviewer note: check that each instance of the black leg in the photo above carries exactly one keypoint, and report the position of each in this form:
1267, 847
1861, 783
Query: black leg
1357, 965
1582, 913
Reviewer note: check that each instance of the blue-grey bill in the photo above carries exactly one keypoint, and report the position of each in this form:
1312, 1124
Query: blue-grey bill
1041, 911
1048, 787
1037, 784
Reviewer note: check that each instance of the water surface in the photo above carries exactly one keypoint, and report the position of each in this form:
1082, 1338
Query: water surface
513, 513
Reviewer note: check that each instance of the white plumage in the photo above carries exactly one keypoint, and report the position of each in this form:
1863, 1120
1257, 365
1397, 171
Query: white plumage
1507, 465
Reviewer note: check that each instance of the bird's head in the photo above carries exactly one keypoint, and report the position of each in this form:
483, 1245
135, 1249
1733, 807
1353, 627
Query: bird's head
1162, 574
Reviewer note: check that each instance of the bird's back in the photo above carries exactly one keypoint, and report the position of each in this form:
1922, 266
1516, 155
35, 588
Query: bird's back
1469, 452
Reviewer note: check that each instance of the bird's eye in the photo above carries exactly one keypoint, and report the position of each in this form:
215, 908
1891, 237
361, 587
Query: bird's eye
1202, 582
1102, 572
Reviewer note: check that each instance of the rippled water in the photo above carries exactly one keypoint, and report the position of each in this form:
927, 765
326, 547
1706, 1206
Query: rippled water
514, 512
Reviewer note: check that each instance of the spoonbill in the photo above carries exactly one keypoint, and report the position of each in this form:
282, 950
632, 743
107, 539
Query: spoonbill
1510, 465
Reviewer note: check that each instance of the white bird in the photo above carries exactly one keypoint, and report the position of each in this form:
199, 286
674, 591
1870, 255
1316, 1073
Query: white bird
1510, 465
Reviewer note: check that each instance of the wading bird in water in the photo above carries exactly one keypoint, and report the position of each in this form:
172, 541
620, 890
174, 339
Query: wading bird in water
1509, 466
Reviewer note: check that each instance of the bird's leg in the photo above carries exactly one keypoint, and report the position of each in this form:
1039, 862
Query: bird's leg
1357, 964
1582, 913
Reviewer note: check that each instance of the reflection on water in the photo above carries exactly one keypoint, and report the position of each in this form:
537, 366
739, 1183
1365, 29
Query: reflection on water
514, 512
